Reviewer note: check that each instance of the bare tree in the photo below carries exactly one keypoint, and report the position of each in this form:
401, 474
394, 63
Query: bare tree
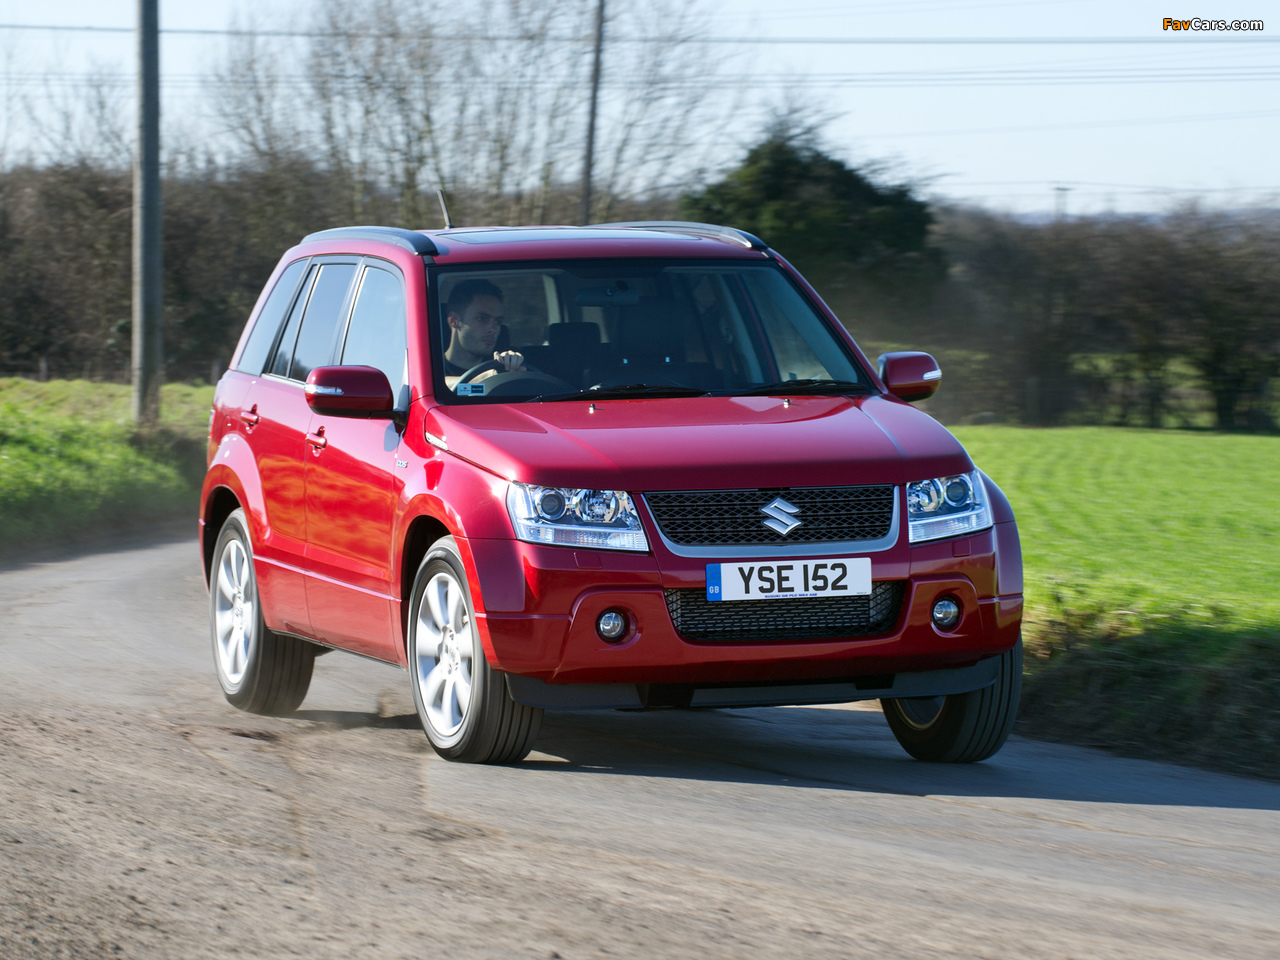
250, 103
666, 110
486, 101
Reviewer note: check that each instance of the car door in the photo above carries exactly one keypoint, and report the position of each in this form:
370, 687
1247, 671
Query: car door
352, 484
272, 425
280, 418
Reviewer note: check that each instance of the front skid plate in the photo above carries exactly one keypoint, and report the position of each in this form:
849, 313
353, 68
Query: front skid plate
608, 696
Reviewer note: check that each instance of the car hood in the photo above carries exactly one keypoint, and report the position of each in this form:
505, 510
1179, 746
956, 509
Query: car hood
702, 442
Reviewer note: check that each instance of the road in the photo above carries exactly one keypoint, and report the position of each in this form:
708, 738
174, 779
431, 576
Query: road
143, 817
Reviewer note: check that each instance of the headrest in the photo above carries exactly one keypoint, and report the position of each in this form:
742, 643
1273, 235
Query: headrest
571, 336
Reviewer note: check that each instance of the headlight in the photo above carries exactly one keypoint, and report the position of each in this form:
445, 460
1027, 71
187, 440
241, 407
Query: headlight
605, 519
946, 507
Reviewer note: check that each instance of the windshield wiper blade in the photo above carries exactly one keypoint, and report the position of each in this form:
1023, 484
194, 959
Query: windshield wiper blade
803, 386
627, 390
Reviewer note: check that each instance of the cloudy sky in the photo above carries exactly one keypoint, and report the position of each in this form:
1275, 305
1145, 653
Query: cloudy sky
999, 102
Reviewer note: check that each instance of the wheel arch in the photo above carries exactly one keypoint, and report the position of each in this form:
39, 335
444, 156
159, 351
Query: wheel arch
218, 505
1009, 579
423, 531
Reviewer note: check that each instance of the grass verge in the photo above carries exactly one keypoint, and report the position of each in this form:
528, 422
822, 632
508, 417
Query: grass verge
1193, 686
1152, 625
72, 465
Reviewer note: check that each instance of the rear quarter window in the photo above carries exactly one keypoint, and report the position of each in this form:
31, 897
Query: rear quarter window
253, 358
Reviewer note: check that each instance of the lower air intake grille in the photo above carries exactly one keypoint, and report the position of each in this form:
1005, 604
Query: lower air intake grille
760, 621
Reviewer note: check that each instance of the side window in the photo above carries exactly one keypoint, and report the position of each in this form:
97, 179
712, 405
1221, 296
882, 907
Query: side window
284, 352
376, 337
322, 323
254, 356
802, 347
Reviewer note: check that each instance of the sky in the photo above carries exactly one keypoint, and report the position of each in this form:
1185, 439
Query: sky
1085, 106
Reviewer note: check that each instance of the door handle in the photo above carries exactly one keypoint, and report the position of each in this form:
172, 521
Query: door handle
250, 416
317, 441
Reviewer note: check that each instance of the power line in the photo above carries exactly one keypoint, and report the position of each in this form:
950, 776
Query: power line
966, 41
1083, 124
901, 78
1215, 38
1134, 187
876, 9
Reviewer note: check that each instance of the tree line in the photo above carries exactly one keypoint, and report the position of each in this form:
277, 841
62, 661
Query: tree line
1154, 321
1169, 320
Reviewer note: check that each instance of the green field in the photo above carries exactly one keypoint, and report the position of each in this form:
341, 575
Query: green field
183, 409
1154, 521
71, 463
1152, 561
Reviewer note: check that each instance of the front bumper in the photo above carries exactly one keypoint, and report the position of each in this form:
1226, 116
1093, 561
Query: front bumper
537, 606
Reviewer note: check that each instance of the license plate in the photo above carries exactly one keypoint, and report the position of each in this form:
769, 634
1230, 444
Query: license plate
778, 580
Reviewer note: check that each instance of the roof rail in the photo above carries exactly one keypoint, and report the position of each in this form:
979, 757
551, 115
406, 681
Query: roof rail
410, 240
750, 241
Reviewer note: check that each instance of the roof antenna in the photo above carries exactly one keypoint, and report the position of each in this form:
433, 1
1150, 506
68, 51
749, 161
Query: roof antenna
444, 208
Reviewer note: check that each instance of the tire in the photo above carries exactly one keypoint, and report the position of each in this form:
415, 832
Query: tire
466, 711
259, 671
962, 727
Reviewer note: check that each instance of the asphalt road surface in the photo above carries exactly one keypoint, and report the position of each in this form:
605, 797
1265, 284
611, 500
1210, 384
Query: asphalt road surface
141, 816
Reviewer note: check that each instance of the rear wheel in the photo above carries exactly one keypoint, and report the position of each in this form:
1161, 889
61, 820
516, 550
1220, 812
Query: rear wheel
463, 703
259, 671
962, 727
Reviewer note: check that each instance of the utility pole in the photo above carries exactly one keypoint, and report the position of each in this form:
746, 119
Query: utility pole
585, 217
1060, 202
148, 289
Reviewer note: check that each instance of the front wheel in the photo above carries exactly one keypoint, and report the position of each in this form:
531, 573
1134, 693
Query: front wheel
463, 703
962, 727
259, 671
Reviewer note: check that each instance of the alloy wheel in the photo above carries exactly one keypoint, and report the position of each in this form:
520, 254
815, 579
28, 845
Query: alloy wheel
445, 653
233, 610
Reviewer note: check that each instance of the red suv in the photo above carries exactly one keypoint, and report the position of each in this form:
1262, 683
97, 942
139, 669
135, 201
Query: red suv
632, 465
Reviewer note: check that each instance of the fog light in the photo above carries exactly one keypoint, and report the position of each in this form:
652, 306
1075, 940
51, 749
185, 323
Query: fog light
612, 625
946, 613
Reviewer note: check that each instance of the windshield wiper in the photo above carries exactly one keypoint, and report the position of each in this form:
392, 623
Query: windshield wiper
784, 387
626, 390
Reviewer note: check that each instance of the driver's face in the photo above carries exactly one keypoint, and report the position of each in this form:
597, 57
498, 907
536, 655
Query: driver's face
476, 330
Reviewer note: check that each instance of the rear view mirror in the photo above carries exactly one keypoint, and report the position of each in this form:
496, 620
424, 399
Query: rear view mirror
615, 295
350, 392
910, 375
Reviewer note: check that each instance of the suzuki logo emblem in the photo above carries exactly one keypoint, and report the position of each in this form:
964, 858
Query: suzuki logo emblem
780, 516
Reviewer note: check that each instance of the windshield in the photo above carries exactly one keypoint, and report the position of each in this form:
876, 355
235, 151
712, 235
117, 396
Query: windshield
619, 328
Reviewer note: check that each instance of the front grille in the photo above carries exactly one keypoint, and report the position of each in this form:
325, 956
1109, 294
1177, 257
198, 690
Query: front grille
811, 618
730, 518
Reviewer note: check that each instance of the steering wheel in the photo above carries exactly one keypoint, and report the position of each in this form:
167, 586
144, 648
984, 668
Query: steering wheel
524, 383
483, 366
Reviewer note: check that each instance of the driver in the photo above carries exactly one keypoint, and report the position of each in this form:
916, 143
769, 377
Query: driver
474, 315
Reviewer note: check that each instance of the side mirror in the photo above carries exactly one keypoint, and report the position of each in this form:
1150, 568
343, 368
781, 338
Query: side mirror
910, 375
361, 392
